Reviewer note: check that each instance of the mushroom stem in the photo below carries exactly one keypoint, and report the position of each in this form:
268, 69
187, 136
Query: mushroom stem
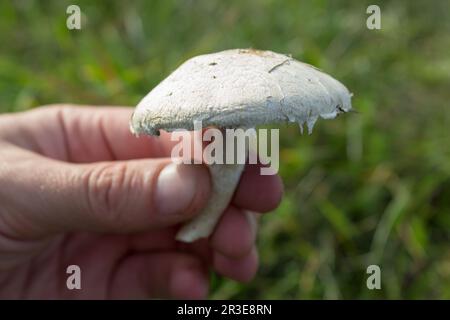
225, 178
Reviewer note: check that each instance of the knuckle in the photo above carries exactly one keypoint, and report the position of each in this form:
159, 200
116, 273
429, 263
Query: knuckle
107, 188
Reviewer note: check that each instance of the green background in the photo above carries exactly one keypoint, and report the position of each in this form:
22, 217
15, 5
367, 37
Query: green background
367, 188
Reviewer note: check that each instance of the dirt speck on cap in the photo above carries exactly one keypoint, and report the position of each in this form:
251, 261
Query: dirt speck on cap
255, 52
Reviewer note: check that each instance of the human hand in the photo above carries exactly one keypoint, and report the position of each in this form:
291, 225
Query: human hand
77, 188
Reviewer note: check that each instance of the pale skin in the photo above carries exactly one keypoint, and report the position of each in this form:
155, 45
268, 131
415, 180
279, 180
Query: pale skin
76, 187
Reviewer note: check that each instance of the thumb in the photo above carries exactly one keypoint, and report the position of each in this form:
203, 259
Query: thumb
118, 197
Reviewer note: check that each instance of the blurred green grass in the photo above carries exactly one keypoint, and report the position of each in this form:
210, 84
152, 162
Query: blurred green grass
368, 188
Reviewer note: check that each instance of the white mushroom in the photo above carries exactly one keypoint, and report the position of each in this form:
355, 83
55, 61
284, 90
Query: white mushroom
239, 88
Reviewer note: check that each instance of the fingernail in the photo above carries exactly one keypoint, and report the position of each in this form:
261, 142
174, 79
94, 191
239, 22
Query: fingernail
177, 187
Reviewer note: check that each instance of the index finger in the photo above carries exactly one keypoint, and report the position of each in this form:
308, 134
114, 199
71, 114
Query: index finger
82, 134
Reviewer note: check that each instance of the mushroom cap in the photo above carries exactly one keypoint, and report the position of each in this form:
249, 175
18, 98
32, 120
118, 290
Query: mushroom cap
240, 88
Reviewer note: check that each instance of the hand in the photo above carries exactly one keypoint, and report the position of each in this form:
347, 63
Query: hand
76, 188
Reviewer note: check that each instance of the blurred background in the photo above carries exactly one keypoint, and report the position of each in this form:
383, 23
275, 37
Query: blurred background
368, 188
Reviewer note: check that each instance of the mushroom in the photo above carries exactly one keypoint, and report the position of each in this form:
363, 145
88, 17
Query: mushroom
239, 88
